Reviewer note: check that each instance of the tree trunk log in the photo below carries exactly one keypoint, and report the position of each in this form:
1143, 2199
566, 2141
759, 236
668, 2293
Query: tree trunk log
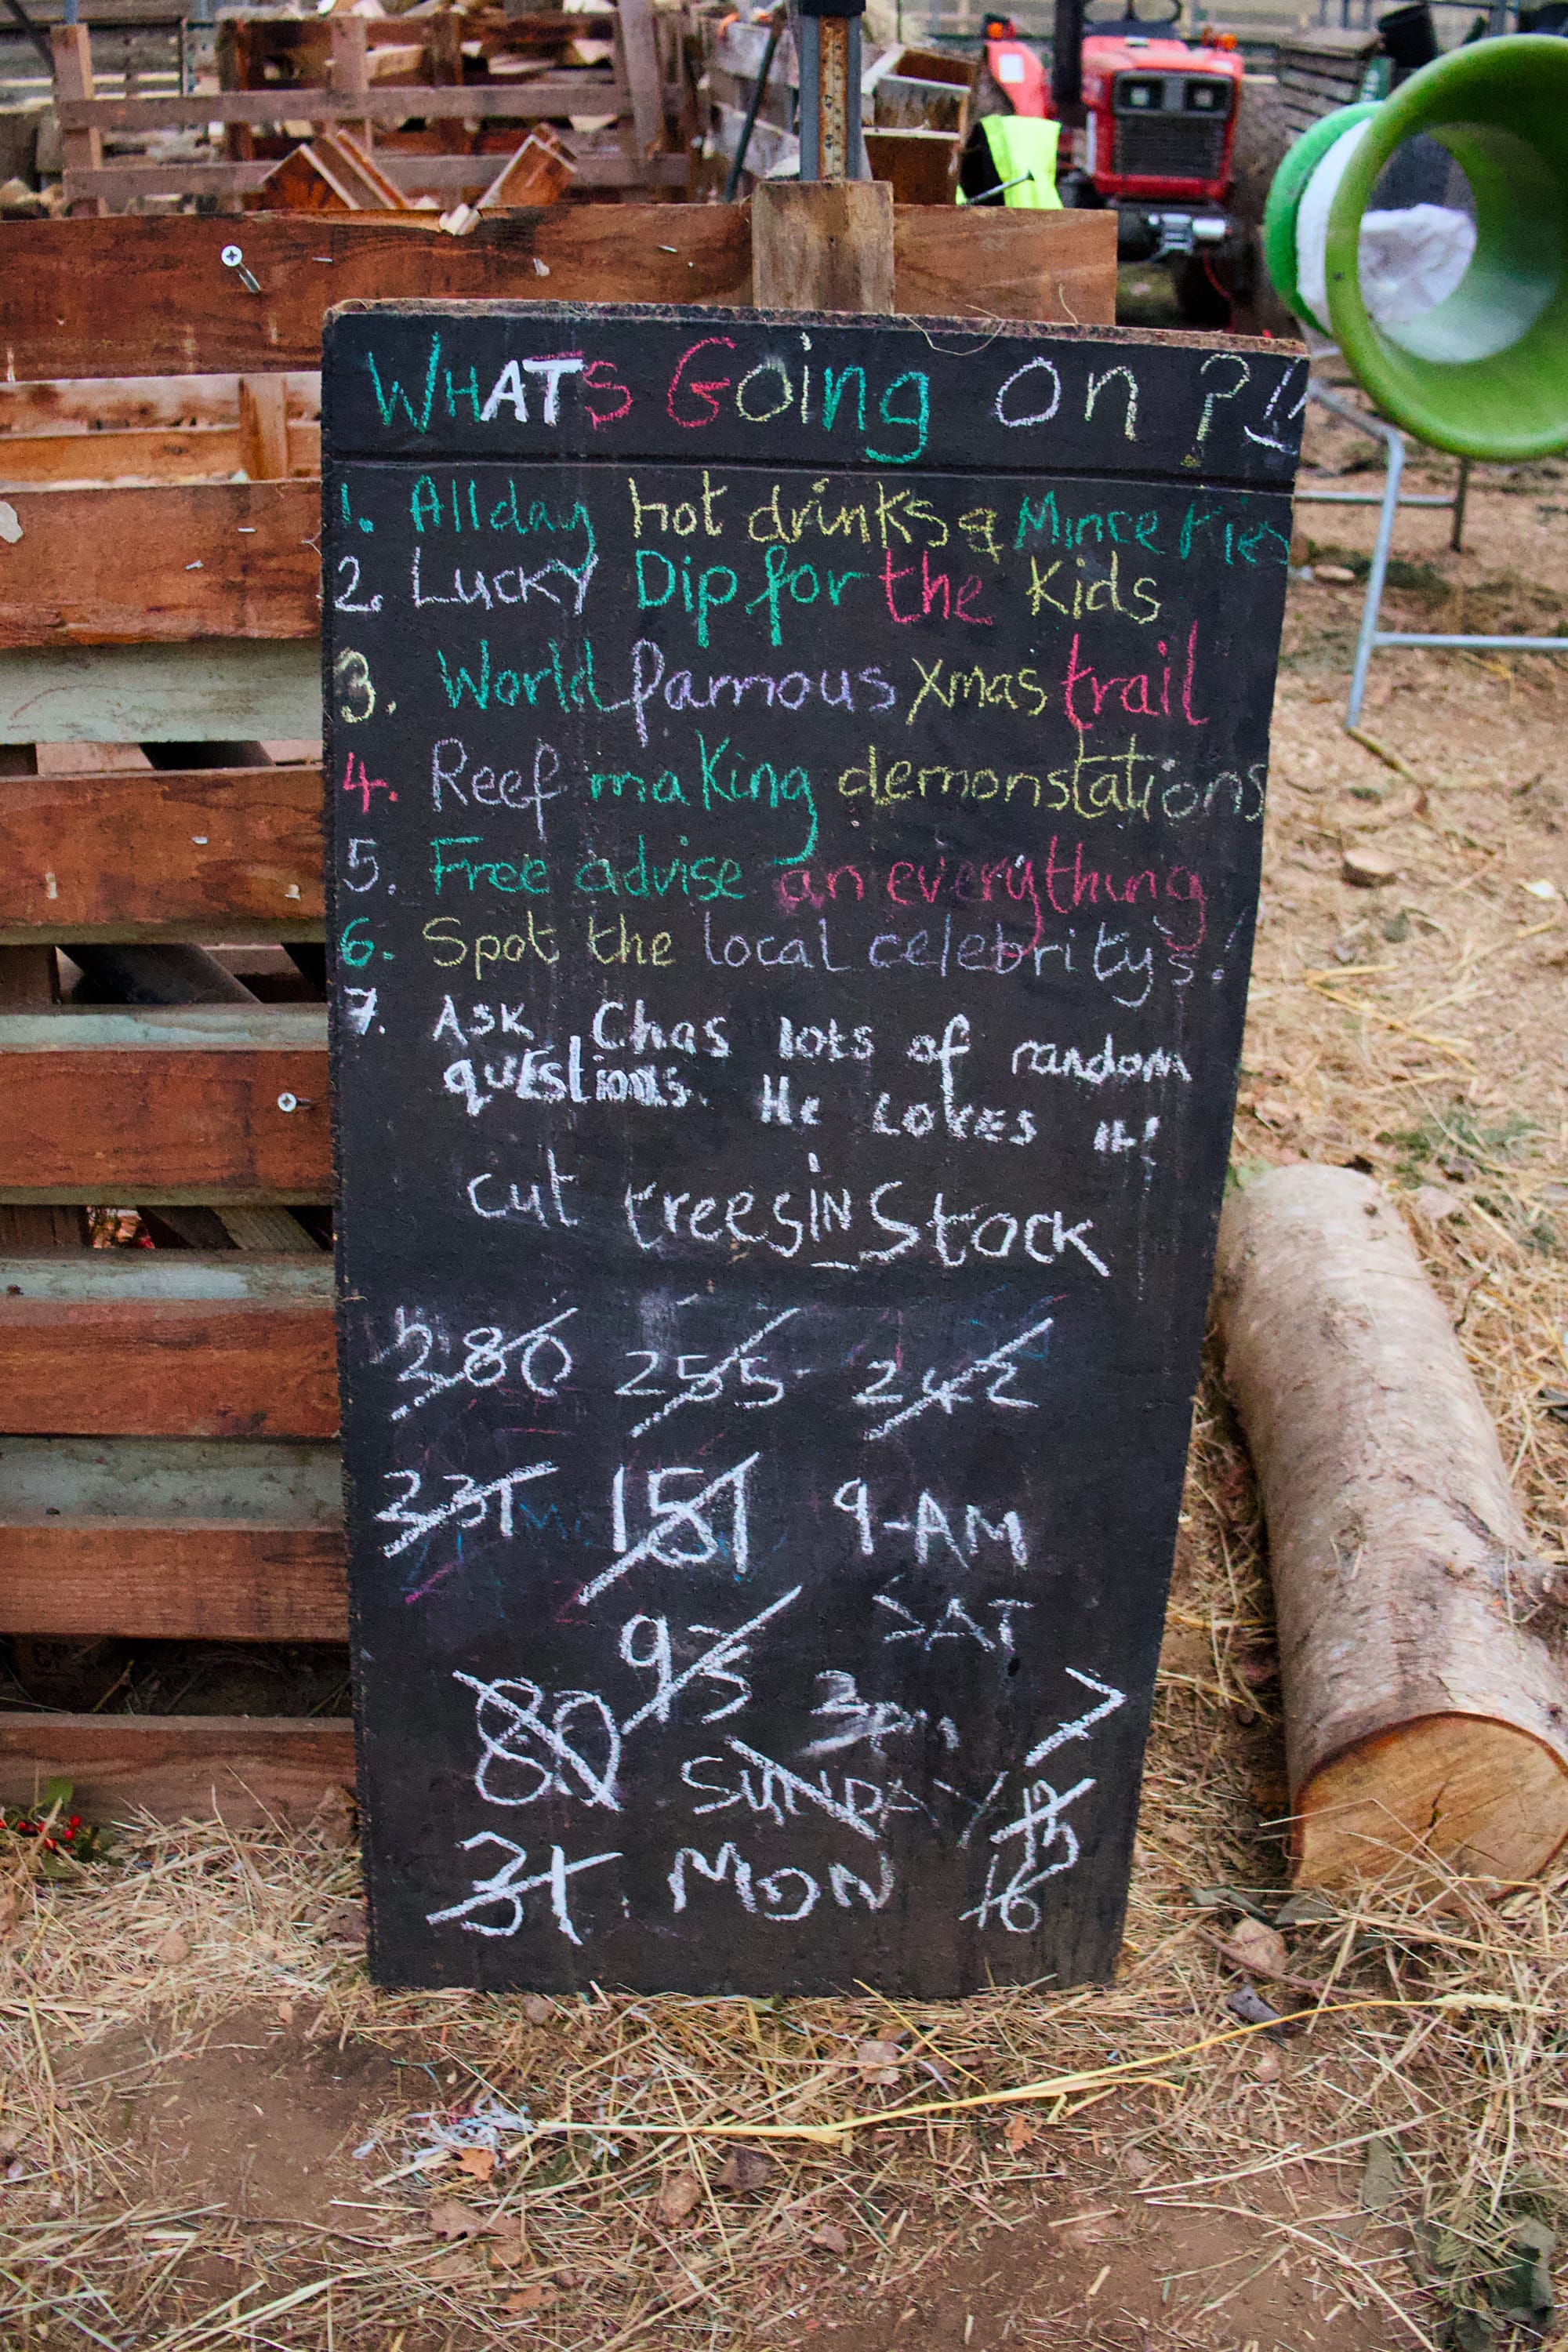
1424, 1711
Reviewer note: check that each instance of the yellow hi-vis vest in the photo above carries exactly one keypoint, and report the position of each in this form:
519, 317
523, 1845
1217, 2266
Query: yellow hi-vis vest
1023, 149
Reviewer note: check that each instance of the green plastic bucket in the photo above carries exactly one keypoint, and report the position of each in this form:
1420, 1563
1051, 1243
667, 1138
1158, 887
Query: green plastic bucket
1485, 372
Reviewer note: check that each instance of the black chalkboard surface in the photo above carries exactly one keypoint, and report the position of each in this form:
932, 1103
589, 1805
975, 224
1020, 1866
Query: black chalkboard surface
795, 789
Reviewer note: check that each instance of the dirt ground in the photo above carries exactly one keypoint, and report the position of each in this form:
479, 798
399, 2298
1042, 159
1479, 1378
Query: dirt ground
214, 2133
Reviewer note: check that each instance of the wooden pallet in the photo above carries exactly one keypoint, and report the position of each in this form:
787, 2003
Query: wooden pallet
168, 1469
627, 94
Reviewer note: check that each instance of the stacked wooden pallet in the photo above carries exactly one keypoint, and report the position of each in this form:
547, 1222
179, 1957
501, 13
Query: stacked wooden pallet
464, 119
1319, 71
167, 1416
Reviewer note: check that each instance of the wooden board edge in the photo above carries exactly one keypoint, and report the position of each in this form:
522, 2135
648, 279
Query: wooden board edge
249, 1769
212, 1580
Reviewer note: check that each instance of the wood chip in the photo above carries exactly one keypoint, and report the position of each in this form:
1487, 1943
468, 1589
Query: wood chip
1368, 869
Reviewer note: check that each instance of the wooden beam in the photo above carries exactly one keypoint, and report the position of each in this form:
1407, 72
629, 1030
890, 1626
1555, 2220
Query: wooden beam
173, 561
199, 453
415, 174
302, 1276
155, 295
244, 690
531, 101
263, 419
154, 292
248, 1768
221, 1582
166, 1368
221, 853
823, 244
88, 405
351, 72
178, 1105
82, 148
645, 83
1058, 267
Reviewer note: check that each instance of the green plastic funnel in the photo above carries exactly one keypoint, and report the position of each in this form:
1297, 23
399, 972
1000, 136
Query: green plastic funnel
1485, 372
1286, 191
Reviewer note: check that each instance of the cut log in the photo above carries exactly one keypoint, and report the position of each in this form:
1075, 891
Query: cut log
1424, 1711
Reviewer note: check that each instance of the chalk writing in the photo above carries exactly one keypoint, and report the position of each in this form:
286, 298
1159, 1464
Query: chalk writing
795, 791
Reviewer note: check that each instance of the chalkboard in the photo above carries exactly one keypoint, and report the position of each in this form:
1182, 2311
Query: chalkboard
795, 792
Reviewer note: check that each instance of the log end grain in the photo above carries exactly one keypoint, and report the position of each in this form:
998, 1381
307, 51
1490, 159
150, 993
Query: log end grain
1481, 1797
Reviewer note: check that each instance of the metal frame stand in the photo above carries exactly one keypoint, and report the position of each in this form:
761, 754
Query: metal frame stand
1371, 637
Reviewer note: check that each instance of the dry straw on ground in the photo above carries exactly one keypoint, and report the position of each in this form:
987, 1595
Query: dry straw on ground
1408, 2161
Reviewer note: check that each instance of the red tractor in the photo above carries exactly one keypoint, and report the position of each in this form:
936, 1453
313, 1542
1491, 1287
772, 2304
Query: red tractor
1149, 126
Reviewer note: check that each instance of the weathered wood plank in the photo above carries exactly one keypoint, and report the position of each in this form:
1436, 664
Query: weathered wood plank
987, 262
72, 46
155, 291
169, 562
185, 1482
202, 453
166, 403
238, 848
818, 245
167, 1368
473, 102
239, 689
217, 1583
249, 1767
415, 174
178, 1106
79, 1277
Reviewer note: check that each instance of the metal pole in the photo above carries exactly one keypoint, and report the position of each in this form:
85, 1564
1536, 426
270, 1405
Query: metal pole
1371, 637
1369, 610
1461, 492
808, 55
828, 44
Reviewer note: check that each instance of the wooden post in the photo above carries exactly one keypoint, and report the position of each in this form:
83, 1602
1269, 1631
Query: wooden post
822, 244
82, 149
351, 71
638, 54
264, 427
30, 983
825, 242
444, 50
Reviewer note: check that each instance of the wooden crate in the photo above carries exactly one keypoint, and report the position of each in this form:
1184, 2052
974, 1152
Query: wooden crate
329, 78
168, 1467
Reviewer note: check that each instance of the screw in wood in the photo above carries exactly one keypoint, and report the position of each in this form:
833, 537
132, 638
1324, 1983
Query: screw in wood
233, 258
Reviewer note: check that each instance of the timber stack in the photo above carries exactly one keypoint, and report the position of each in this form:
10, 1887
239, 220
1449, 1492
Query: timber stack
169, 1470
430, 105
